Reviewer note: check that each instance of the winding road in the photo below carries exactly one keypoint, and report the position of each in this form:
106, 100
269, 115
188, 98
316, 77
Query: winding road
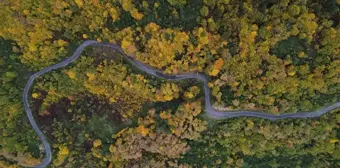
212, 113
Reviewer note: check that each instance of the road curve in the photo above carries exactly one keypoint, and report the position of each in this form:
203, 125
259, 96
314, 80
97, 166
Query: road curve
155, 72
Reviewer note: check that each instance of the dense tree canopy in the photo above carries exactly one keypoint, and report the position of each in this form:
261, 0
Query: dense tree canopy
277, 56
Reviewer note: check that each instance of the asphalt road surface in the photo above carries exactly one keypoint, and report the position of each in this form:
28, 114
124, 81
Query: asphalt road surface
155, 72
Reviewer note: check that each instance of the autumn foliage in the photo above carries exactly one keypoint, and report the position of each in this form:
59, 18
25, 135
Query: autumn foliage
277, 56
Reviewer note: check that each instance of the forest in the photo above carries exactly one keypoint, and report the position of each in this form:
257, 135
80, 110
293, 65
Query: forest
274, 56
